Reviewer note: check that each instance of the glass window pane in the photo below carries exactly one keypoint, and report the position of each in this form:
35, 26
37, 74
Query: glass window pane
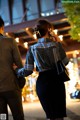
4, 11
17, 11
32, 9
47, 7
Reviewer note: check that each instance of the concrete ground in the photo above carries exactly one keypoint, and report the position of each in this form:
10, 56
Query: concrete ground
34, 111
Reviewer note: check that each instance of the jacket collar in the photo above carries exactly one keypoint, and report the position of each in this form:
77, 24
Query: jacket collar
41, 40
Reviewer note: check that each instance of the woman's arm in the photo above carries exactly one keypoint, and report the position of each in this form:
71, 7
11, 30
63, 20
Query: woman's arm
22, 72
28, 67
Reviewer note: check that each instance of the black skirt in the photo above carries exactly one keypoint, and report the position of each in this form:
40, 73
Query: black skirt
51, 93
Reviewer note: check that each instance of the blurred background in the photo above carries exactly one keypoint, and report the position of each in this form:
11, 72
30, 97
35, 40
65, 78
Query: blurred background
20, 17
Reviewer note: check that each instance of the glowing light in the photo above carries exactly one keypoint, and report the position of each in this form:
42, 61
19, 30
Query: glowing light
34, 35
27, 29
61, 37
47, 14
7, 34
42, 14
26, 44
55, 31
51, 13
78, 34
17, 40
76, 52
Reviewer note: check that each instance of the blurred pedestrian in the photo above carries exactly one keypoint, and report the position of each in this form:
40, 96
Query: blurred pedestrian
50, 90
10, 93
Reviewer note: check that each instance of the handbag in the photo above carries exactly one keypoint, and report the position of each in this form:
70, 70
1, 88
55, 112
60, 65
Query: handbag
61, 70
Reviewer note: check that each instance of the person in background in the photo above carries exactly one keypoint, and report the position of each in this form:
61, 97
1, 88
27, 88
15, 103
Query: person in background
50, 90
10, 93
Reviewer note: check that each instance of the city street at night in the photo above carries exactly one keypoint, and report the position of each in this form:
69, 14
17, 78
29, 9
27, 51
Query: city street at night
39, 41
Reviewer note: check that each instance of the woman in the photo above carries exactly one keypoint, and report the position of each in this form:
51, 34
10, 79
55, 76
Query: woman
48, 87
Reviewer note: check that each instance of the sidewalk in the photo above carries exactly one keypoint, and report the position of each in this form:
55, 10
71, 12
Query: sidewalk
34, 111
26, 118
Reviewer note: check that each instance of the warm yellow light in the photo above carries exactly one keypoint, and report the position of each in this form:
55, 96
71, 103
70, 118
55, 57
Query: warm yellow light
34, 35
27, 29
76, 52
26, 44
78, 34
7, 34
17, 40
55, 31
61, 37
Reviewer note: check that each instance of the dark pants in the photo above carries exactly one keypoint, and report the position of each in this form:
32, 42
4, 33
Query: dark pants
51, 93
14, 100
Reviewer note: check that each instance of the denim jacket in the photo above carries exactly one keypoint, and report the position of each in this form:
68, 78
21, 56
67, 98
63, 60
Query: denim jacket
41, 54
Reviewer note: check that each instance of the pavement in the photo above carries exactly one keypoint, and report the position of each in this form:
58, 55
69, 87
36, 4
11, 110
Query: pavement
34, 111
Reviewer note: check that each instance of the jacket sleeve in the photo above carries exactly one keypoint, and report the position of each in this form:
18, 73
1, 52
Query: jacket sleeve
21, 72
16, 55
28, 67
63, 55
